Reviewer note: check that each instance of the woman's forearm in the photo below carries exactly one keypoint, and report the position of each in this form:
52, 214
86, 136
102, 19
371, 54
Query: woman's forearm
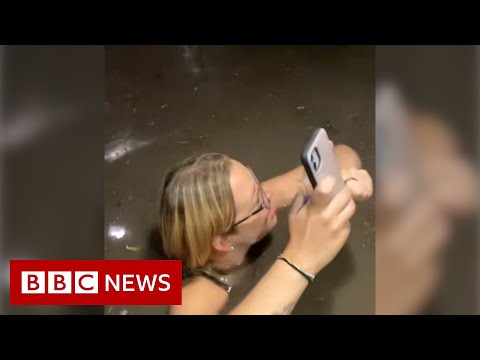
277, 293
347, 158
285, 187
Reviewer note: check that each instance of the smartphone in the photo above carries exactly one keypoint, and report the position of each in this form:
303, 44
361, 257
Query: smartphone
395, 156
394, 148
318, 159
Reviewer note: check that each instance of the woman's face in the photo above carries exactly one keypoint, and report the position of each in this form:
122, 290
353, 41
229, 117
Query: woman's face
255, 218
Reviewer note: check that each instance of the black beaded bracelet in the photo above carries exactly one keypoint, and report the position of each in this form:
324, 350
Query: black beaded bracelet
305, 274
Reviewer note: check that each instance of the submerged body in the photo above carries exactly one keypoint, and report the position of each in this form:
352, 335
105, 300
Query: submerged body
214, 209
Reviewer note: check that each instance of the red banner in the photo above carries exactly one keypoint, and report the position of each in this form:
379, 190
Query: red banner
95, 282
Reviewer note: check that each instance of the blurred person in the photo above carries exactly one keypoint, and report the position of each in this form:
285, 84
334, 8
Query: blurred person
213, 209
416, 211
446, 169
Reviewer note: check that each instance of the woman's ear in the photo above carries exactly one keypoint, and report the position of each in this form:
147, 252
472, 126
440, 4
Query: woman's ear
222, 243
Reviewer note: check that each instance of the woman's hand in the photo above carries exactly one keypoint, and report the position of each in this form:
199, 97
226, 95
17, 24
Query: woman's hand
357, 179
320, 228
359, 182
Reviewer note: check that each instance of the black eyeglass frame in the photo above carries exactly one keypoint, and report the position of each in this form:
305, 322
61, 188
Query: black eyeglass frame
265, 204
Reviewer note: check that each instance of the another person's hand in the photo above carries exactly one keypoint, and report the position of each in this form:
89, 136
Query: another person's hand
409, 258
359, 182
446, 171
452, 182
320, 228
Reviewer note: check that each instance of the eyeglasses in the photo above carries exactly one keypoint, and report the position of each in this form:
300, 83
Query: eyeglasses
265, 204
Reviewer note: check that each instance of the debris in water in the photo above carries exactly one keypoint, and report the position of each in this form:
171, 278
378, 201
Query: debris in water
213, 116
118, 203
301, 107
183, 142
236, 74
151, 123
195, 89
133, 248
328, 126
130, 197
270, 94
246, 118
164, 106
134, 110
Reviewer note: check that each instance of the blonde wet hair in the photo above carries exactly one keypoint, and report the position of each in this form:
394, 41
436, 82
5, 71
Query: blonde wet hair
196, 205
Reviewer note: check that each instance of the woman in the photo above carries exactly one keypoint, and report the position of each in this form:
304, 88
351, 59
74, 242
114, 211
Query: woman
213, 209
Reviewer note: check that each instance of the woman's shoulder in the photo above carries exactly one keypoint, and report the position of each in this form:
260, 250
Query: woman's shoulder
200, 295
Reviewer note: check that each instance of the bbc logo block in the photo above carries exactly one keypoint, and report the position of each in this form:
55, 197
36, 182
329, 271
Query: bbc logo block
95, 282
59, 282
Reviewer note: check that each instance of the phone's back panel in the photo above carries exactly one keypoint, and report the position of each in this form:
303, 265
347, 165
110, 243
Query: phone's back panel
319, 159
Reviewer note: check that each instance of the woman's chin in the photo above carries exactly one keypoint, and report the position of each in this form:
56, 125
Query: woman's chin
269, 225
272, 222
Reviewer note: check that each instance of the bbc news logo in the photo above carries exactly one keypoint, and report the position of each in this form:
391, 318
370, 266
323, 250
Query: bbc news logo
95, 282
86, 282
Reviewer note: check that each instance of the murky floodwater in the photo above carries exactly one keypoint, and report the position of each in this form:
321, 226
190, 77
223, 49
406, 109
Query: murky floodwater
256, 104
